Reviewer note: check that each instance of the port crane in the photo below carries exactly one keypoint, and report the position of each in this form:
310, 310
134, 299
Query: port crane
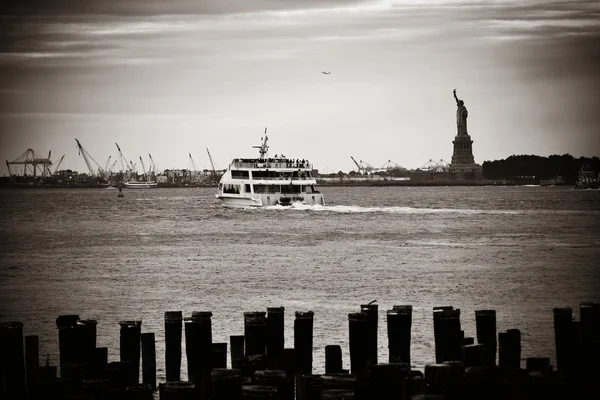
144, 169
124, 166
362, 166
440, 166
58, 165
88, 161
214, 170
153, 167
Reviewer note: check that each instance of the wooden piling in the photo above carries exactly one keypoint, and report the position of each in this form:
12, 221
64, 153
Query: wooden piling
236, 343
177, 391
473, 355
86, 338
259, 392
437, 377
32, 360
372, 311
313, 386
387, 381
303, 341
15, 380
509, 349
198, 343
226, 384
399, 326
277, 379
539, 364
255, 332
438, 337
173, 328
275, 337
67, 344
337, 394
130, 343
333, 359
448, 335
149, 359
563, 335
219, 355
485, 321
359, 331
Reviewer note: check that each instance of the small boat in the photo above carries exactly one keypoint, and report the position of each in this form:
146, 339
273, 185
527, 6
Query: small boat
265, 181
587, 179
140, 185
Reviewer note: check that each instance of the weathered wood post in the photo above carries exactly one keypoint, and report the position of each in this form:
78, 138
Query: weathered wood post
509, 349
130, 343
387, 381
399, 325
339, 382
14, 360
32, 361
219, 355
86, 335
448, 334
259, 392
440, 350
303, 345
563, 335
149, 359
67, 343
277, 379
226, 384
198, 342
236, 343
275, 337
177, 391
173, 328
485, 321
473, 355
358, 336
372, 311
437, 377
312, 387
255, 331
333, 359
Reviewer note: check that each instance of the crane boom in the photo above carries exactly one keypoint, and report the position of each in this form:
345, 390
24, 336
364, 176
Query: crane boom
357, 165
143, 168
88, 159
58, 165
194, 166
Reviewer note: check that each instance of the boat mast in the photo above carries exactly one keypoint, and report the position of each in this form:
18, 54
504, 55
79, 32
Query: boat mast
263, 148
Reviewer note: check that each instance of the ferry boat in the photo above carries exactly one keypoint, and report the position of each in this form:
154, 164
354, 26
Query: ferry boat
140, 185
587, 179
264, 181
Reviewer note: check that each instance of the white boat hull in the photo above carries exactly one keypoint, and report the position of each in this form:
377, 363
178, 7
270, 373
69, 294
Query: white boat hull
262, 200
141, 185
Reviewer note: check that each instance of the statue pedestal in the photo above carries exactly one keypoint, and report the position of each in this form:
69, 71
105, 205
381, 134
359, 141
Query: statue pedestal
463, 163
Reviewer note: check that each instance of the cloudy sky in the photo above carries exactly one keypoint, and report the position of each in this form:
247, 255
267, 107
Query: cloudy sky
170, 78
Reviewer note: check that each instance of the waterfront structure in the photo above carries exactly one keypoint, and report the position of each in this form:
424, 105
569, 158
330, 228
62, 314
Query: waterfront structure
265, 181
463, 164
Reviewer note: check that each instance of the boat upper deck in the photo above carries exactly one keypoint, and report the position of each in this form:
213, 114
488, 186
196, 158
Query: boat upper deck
272, 163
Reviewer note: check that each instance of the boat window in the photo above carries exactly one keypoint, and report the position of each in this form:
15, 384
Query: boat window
231, 189
247, 188
266, 188
235, 174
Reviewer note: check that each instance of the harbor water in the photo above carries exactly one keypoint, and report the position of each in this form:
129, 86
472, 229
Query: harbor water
518, 250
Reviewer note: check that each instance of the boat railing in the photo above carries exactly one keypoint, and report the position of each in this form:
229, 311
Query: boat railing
280, 178
294, 164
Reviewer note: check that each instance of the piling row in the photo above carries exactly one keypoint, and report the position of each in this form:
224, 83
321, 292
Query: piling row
263, 368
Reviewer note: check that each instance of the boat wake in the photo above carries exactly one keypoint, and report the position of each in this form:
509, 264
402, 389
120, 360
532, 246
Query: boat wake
413, 210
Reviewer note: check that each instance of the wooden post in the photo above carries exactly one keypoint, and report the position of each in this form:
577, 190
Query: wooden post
198, 342
359, 333
32, 361
399, 324
226, 384
563, 335
149, 359
339, 382
14, 360
219, 355
372, 311
255, 331
509, 349
485, 321
312, 387
440, 350
333, 359
387, 381
277, 379
275, 337
173, 328
237, 350
177, 391
473, 355
303, 341
86, 338
130, 343
67, 343
259, 392
539, 364
437, 377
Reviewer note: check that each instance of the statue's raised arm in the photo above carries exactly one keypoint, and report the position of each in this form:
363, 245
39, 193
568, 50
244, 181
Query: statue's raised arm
461, 115
455, 98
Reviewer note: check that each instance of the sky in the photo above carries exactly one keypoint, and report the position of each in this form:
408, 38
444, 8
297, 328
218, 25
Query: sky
172, 78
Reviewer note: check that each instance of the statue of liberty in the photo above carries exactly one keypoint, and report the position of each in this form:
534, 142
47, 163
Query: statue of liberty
461, 116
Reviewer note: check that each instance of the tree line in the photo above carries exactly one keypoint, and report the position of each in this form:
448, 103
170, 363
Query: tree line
539, 167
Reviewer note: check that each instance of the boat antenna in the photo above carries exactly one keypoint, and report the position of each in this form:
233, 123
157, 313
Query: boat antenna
263, 148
